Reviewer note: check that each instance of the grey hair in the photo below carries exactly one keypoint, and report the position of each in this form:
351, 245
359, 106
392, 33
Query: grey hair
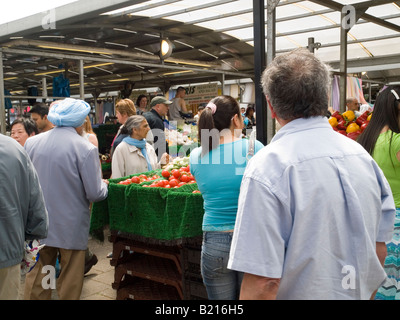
133, 122
297, 84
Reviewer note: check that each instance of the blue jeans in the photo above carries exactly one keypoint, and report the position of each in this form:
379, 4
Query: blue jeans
221, 283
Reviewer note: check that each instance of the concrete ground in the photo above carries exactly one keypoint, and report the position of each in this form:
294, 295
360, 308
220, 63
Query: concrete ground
97, 282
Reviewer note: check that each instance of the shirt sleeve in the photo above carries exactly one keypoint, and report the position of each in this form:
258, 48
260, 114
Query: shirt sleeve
37, 220
261, 231
96, 189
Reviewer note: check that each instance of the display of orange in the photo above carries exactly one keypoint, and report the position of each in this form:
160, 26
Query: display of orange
352, 127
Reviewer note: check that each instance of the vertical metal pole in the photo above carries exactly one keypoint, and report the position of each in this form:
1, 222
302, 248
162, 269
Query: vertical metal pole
2, 99
81, 81
311, 45
343, 66
271, 51
223, 83
259, 66
44, 88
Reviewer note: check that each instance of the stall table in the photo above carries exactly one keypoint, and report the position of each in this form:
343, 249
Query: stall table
156, 235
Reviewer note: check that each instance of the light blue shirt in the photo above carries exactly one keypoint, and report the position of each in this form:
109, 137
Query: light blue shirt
219, 175
69, 171
312, 205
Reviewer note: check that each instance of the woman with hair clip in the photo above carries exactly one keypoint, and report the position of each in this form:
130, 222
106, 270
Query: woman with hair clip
218, 166
381, 139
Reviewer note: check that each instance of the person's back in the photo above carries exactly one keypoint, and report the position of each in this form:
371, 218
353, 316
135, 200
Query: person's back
23, 214
219, 174
337, 228
60, 157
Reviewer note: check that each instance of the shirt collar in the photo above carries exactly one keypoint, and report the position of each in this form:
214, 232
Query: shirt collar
302, 124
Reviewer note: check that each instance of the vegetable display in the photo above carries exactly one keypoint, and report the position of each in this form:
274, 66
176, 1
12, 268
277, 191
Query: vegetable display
347, 123
174, 175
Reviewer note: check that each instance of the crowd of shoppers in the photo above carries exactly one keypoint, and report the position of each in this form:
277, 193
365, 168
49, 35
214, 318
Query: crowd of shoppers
312, 215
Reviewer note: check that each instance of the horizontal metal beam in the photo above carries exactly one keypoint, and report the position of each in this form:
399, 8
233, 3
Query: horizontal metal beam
118, 61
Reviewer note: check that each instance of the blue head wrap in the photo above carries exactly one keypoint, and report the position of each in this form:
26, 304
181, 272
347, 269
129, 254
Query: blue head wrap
69, 113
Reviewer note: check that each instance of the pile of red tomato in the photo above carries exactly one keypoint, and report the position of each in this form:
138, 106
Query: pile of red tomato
347, 123
174, 178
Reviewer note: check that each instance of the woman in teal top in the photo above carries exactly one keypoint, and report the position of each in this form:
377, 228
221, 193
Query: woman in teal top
218, 166
382, 140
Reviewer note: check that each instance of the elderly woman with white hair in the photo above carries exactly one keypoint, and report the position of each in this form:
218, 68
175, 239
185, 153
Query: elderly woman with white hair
134, 155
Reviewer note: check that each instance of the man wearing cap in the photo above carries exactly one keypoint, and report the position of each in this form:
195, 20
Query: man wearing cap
70, 175
159, 108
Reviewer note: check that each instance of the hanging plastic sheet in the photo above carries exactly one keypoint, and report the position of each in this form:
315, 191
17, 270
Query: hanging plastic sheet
61, 86
354, 90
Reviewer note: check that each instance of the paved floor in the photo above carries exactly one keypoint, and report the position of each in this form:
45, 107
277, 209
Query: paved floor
97, 283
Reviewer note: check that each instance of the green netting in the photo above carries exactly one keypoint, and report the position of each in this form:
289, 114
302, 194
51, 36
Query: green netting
149, 214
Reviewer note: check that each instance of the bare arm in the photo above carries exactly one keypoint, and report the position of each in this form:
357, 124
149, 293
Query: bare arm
381, 252
258, 288
183, 105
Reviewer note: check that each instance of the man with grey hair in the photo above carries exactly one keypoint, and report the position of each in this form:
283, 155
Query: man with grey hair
314, 208
70, 175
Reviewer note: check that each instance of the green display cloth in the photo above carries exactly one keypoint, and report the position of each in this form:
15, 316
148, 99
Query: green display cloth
154, 215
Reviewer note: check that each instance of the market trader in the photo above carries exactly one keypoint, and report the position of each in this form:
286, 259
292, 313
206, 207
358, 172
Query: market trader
159, 108
23, 214
178, 105
315, 210
70, 174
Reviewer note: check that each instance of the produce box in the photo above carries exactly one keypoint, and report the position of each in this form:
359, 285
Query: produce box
149, 214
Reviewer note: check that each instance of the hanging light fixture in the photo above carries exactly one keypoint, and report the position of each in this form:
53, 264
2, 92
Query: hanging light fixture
166, 49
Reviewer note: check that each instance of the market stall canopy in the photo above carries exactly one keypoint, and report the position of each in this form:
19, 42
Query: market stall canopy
119, 41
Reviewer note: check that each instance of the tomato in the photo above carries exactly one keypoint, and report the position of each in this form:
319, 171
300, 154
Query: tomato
165, 173
167, 186
196, 191
180, 184
173, 183
135, 179
185, 178
176, 173
142, 176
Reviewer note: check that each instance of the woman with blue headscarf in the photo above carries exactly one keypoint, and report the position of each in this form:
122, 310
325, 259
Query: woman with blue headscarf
134, 155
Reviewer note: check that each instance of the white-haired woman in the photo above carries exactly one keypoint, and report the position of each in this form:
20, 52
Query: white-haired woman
134, 155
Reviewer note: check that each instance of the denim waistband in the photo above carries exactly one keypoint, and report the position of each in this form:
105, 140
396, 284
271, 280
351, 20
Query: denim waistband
218, 236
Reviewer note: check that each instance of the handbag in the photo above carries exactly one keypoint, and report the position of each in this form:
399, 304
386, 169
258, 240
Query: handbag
31, 255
